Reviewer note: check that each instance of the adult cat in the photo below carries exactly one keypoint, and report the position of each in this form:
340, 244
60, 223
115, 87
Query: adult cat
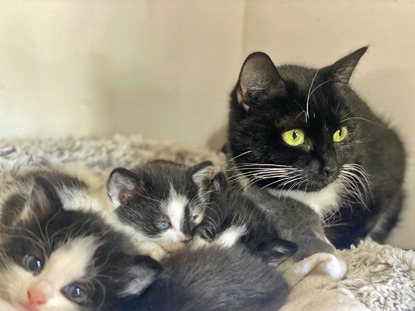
305, 134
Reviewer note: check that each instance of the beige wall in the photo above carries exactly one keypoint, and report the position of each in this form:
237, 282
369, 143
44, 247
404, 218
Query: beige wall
164, 68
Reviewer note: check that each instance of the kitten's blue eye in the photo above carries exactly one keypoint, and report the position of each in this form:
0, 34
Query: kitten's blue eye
33, 263
164, 225
75, 293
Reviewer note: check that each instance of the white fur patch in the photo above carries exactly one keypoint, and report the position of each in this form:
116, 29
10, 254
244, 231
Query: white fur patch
175, 210
79, 199
322, 202
141, 278
230, 236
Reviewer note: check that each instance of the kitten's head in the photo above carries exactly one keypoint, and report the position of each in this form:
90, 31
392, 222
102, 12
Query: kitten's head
55, 259
292, 128
161, 200
231, 218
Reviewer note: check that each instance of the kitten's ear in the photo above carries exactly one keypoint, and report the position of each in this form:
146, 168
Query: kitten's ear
276, 250
122, 185
43, 199
138, 275
219, 182
341, 71
258, 80
200, 172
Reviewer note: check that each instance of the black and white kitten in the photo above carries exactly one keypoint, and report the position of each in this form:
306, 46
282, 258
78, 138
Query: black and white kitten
231, 218
212, 278
58, 256
304, 134
159, 202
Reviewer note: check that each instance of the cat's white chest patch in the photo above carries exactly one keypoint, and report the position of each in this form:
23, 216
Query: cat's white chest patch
322, 202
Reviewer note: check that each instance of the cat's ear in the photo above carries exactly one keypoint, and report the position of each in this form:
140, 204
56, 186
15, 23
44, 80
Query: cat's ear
43, 199
276, 250
122, 186
258, 80
138, 274
200, 172
341, 71
219, 182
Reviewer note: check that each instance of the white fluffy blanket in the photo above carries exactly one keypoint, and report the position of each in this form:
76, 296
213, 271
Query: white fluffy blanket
367, 277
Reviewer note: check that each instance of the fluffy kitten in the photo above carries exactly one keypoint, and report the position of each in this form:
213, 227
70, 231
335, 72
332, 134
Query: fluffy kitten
159, 202
212, 278
59, 256
304, 134
231, 218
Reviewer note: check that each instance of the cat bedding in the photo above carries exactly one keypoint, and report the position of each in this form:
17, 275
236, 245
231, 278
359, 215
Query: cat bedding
377, 277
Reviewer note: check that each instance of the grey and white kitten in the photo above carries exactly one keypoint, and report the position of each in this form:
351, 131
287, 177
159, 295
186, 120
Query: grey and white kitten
159, 202
211, 278
56, 253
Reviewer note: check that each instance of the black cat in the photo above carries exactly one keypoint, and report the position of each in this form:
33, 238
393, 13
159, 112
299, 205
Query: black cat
305, 134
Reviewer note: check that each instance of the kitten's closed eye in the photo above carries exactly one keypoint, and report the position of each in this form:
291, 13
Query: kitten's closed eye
204, 233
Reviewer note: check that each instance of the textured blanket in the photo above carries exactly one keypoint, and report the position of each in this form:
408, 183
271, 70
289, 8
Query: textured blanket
369, 276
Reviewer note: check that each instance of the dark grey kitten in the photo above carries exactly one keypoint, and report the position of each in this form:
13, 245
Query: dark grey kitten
160, 201
212, 278
231, 218
304, 134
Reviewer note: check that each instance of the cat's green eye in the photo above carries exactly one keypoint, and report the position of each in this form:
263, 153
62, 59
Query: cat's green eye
340, 134
294, 137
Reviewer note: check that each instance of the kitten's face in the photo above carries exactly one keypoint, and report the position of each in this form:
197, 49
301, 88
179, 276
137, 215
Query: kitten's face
54, 259
62, 279
291, 127
231, 218
161, 201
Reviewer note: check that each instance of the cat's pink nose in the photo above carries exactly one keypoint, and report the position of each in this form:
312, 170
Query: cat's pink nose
36, 297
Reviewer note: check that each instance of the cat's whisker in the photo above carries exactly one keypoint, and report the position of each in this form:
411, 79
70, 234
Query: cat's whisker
358, 173
42, 233
263, 164
239, 155
357, 183
148, 196
307, 115
36, 241
318, 86
363, 119
288, 180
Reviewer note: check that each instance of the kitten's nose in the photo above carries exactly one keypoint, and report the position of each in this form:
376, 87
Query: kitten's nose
39, 293
183, 237
36, 297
